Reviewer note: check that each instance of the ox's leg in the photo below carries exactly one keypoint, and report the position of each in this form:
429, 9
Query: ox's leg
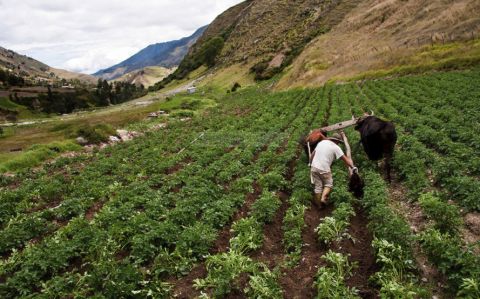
388, 167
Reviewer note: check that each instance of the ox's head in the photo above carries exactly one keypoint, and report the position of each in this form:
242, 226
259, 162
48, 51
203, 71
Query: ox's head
361, 122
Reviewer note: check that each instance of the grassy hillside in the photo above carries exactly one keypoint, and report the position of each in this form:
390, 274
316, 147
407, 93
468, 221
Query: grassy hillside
37, 71
383, 37
221, 204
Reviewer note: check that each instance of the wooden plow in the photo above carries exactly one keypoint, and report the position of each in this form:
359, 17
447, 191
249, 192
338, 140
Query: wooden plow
345, 124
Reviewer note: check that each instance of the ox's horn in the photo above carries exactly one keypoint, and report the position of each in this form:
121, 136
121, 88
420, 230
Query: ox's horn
373, 113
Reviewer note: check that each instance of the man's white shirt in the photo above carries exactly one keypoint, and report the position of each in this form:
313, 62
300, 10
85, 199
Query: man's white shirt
325, 153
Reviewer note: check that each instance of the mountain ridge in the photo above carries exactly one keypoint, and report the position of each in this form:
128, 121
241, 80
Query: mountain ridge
166, 54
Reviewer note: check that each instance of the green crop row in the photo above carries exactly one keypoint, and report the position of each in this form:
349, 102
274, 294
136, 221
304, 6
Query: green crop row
419, 117
294, 222
441, 242
396, 277
21, 229
460, 265
224, 268
123, 226
414, 158
334, 228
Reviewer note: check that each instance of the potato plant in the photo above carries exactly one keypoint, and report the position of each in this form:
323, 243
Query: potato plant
334, 228
330, 280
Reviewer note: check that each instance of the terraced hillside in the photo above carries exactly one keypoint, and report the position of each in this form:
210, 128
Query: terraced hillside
220, 206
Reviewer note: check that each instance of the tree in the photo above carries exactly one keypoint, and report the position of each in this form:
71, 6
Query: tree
210, 51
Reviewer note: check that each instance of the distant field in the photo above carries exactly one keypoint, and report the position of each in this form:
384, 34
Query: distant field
32, 92
23, 112
18, 140
221, 206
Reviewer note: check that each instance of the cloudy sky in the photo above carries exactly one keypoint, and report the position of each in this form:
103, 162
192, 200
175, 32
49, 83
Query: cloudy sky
88, 35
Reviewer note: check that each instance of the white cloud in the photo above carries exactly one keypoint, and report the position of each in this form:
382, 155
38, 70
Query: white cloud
88, 35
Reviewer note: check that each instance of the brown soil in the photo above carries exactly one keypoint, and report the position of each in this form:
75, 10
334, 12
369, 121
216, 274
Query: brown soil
472, 222
45, 206
272, 252
179, 166
298, 282
240, 112
183, 287
93, 210
471, 231
239, 285
362, 253
15, 183
410, 210
122, 254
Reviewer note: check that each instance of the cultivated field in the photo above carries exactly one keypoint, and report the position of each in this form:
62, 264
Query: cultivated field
231, 215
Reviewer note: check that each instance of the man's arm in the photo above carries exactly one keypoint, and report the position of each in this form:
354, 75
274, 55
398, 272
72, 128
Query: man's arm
347, 161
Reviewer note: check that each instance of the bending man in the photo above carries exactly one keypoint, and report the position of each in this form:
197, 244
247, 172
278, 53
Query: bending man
321, 160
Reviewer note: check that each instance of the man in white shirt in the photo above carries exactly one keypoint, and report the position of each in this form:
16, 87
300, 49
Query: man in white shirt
326, 152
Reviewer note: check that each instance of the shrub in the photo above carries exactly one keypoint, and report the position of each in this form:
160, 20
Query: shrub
96, 134
235, 87
182, 114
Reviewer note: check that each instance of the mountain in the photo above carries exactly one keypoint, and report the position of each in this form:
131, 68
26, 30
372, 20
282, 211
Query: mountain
266, 34
28, 67
168, 55
146, 76
312, 41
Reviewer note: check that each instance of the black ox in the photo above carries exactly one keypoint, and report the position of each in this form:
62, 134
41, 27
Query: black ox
378, 138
